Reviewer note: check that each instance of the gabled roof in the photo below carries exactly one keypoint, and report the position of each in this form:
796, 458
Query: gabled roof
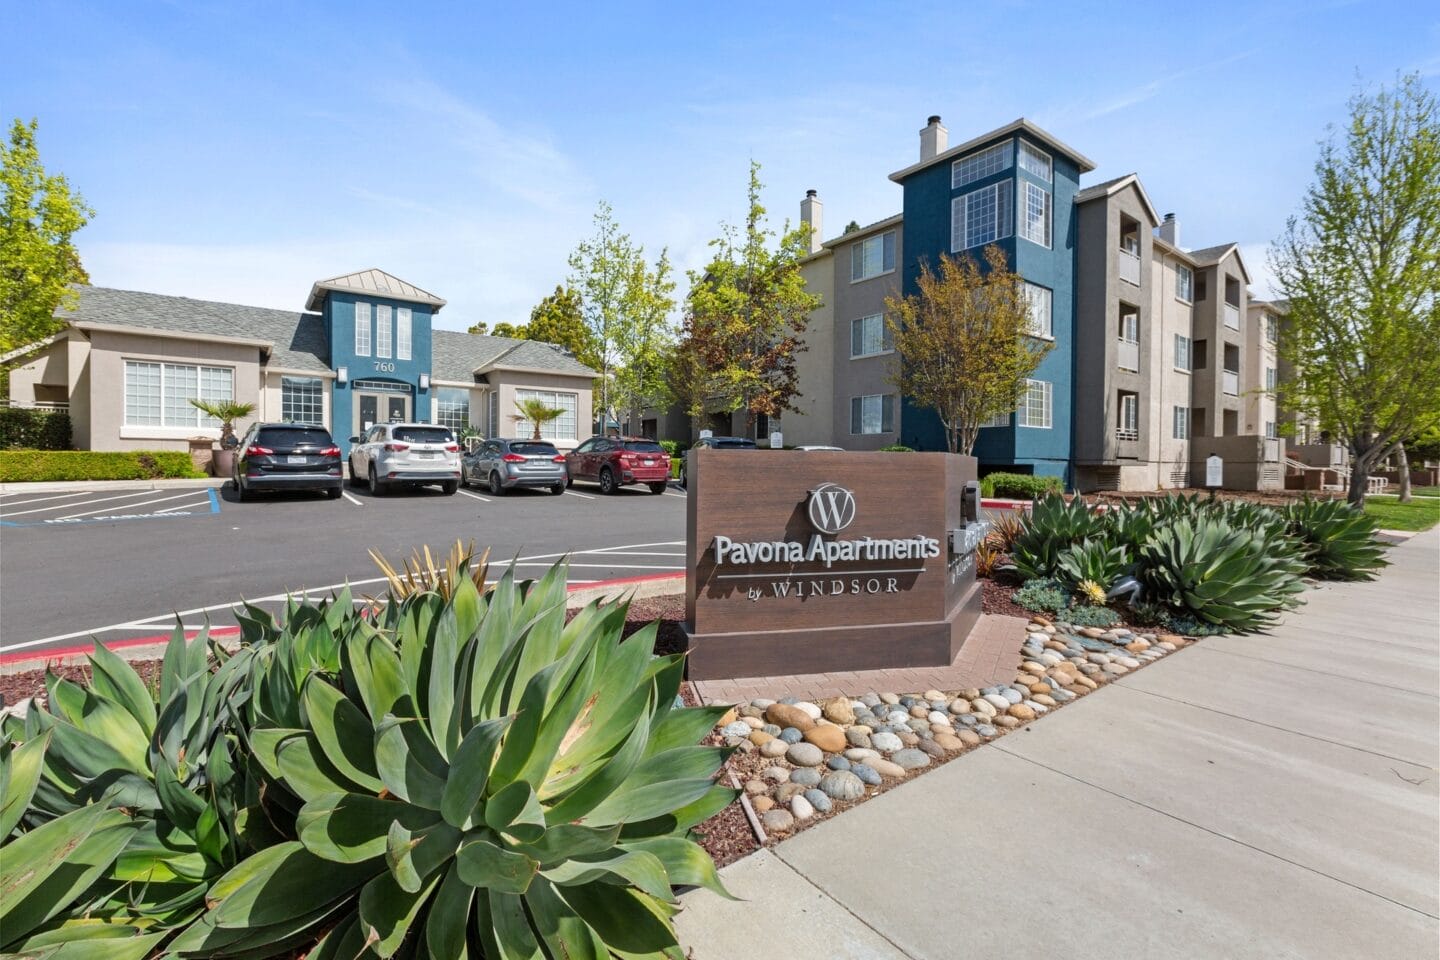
458, 357
374, 282
1111, 187
1016, 126
295, 341
1164, 246
869, 228
1209, 256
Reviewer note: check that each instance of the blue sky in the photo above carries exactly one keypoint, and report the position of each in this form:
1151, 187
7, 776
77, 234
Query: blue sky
240, 151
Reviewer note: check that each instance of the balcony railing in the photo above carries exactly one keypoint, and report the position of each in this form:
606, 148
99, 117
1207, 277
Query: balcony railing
1129, 267
1272, 449
1127, 433
1230, 382
36, 405
1127, 355
1232, 316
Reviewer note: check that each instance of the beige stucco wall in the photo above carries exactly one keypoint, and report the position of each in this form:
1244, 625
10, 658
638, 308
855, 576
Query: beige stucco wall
813, 420
506, 382
1260, 355
271, 398
49, 371
863, 376
1170, 387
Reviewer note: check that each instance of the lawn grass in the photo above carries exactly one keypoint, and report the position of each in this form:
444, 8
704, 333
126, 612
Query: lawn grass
1391, 514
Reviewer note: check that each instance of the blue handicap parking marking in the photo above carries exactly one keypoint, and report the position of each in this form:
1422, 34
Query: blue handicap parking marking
66, 511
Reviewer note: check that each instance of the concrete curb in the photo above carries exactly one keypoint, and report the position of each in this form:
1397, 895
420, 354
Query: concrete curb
87, 486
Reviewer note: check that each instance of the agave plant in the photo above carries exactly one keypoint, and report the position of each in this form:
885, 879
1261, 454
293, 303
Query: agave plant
1338, 542
477, 777
1130, 525
1093, 560
1052, 526
1218, 573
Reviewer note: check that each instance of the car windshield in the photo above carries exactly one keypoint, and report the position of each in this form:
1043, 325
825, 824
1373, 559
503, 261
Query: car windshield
294, 437
424, 435
643, 446
532, 449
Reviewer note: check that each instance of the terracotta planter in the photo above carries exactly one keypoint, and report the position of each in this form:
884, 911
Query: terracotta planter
223, 462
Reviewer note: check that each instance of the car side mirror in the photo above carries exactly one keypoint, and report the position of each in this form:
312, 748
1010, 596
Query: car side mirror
354, 440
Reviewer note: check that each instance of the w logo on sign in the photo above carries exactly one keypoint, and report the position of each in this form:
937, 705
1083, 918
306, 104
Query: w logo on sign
831, 508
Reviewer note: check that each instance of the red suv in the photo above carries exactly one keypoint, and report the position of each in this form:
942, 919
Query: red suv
614, 462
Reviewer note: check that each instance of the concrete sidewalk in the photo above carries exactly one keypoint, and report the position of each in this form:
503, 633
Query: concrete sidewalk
1265, 796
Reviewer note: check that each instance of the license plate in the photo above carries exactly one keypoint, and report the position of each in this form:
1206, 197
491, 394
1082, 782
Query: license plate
649, 463
296, 458
427, 456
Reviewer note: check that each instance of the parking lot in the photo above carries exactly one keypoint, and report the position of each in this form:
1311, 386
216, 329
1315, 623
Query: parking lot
122, 564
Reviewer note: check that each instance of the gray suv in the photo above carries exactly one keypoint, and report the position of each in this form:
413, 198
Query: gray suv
504, 465
405, 454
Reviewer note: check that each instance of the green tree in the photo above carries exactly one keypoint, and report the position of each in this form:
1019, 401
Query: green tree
1360, 266
39, 216
747, 312
645, 339
963, 344
502, 329
559, 319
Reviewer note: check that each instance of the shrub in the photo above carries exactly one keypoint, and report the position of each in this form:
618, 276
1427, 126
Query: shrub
1042, 596
1051, 526
1188, 626
1218, 573
1150, 614
672, 447
1087, 616
22, 428
897, 448
1019, 486
987, 555
1092, 559
1006, 528
1337, 543
43, 465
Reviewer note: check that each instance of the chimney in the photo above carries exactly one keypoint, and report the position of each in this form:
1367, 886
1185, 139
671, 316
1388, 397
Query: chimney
933, 139
811, 214
1170, 230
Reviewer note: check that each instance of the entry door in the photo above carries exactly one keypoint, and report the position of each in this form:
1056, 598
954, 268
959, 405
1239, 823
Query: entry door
397, 409
369, 412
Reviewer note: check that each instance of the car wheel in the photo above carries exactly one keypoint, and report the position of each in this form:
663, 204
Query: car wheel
354, 479
241, 493
496, 487
449, 487
377, 489
607, 481
569, 481
684, 480
658, 487
559, 488
333, 493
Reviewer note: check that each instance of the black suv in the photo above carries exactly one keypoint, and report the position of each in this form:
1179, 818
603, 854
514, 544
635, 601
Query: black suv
287, 456
715, 443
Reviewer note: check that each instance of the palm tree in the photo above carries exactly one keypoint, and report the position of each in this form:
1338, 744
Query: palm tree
537, 413
227, 412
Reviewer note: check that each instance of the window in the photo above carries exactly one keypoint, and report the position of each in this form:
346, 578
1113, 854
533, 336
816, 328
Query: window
1182, 353
1272, 327
402, 333
872, 256
999, 420
1128, 428
872, 414
302, 400
382, 330
1184, 283
1035, 223
159, 394
980, 217
564, 427
494, 417
1271, 430
870, 336
1130, 327
1180, 423
362, 329
1035, 161
980, 165
1041, 310
1270, 379
452, 407
1035, 411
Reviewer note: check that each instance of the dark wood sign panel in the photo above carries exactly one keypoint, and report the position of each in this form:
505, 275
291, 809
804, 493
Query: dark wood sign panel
816, 562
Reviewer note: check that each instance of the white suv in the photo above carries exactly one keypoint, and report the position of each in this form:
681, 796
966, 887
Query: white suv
410, 454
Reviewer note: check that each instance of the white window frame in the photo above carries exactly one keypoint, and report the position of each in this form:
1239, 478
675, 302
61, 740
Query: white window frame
404, 334
1272, 430
881, 339
382, 330
362, 328
445, 409
981, 164
1185, 292
883, 414
1271, 379
163, 398
1036, 162
562, 428
1180, 423
299, 396
1129, 416
1037, 231
1189, 353
1042, 310
1038, 393
859, 255
1002, 196
999, 420
1272, 328
1130, 327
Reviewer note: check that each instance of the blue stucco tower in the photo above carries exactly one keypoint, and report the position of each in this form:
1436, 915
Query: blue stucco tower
1014, 187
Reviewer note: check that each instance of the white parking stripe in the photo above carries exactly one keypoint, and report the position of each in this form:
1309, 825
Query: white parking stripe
128, 506
347, 496
671, 493
582, 496
58, 496
636, 546
81, 503
635, 553
185, 506
472, 496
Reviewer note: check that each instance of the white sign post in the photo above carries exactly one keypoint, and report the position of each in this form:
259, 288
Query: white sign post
706, 434
1214, 471
777, 440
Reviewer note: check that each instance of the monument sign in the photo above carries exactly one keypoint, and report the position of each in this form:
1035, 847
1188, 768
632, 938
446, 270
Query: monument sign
817, 562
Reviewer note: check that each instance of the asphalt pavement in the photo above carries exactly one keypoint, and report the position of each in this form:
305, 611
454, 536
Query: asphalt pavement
118, 562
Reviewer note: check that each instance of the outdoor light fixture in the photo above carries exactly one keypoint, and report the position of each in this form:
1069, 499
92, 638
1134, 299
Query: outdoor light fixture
424, 381
342, 375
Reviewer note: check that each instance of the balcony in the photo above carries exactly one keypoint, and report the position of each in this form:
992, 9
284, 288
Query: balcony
45, 405
1127, 355
1232, 316
1272, 449
1230, 382
1129, 266
1127, 433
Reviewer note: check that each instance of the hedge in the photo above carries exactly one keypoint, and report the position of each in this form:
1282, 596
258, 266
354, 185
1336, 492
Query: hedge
1019, 486
897, 448
23, 428
42, 465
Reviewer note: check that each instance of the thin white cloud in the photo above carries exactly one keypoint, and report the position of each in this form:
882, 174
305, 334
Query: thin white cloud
1125, 99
